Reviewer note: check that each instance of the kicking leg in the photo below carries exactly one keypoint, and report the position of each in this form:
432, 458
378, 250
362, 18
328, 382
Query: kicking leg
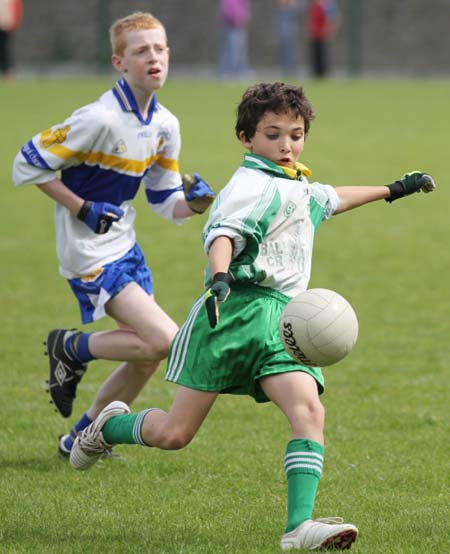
153, 427
146, 331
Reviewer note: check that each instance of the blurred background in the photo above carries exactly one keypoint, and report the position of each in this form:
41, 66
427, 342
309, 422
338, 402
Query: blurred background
370, 37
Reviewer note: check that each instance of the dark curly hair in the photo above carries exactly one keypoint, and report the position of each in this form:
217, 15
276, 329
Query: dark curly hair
271, 97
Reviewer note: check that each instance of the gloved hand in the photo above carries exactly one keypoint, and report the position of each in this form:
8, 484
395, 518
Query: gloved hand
99, 216
199, 196
410, 183
217, 293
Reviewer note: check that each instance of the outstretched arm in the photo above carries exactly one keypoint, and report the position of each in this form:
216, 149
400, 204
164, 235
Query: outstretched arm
352, 197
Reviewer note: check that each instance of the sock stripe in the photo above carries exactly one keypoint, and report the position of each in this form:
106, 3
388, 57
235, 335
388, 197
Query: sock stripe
303, 460
137, 437
305, 454
317, 469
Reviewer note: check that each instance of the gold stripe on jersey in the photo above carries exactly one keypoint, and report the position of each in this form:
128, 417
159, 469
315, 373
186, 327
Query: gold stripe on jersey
167, 163
114, 162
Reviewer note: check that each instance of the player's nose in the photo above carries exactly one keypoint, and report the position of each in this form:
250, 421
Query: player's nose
284, 145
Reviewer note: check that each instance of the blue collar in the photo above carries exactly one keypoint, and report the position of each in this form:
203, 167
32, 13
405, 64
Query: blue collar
127, 101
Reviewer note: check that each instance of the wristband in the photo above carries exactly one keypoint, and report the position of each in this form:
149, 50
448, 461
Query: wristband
220, 276
87, 205
397, 190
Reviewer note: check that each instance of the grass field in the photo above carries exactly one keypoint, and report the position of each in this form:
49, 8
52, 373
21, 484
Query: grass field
387, 462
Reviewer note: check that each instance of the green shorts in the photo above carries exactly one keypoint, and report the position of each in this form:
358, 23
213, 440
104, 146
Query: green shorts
244, 346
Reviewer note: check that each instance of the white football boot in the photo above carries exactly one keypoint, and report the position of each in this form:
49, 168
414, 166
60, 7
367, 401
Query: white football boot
314, 534
90, 445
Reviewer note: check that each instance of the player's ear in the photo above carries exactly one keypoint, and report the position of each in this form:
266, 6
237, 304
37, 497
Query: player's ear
116, 62
244, 140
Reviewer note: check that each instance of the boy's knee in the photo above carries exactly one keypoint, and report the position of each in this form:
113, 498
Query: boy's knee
172, 438
161, 349
177, 440
154, 350
312, 413
318, 412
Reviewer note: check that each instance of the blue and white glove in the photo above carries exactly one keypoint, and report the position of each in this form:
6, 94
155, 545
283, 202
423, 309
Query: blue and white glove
99, 216
199, 195
218, 292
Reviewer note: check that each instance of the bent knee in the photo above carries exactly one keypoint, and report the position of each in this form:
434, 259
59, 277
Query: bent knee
311, 414
175, 439
154, 350
319, 414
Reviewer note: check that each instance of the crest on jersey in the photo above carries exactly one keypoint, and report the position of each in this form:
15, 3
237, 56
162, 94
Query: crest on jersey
56, 136
120, 147
163, 136
290, 208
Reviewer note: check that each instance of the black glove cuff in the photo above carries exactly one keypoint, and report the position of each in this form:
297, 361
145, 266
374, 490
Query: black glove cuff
84, 210
224, 277
397, 191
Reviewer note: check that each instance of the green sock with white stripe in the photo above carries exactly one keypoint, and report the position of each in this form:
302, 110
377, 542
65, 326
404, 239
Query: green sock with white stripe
125, 429
303, 465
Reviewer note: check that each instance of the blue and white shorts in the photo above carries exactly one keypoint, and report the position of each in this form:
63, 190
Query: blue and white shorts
94, 290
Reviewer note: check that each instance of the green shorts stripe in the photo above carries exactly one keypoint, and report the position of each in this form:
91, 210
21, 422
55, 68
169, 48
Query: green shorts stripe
181, 343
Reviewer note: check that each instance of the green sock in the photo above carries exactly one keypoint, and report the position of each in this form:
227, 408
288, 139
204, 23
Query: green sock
303, 465
124, 429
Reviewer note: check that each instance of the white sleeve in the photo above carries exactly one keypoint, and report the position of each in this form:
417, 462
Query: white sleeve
59, 147
162, 181
326, 195
240, 212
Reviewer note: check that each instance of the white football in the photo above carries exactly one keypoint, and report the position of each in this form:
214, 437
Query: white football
318, 327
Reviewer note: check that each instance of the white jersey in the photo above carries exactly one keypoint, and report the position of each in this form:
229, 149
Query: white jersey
103, 151
271, 219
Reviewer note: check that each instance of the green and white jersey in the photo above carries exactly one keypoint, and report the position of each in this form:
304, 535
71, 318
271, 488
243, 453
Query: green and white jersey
271, 214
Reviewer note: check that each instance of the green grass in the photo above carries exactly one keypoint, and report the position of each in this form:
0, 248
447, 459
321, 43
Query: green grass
387, 462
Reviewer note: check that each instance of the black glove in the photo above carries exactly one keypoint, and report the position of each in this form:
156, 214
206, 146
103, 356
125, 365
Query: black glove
217, 293
409, 184
99, 216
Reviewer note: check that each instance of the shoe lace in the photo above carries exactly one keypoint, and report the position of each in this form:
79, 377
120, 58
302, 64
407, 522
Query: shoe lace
91, 444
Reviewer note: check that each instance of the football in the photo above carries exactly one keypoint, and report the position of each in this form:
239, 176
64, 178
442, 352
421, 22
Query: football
318, 327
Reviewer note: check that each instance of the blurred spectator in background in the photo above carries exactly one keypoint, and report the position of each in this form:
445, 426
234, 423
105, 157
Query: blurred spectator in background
323, 23
287, 31
234, 17
10, 18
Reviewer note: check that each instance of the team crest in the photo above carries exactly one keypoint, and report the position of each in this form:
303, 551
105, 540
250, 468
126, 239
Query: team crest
120, 147
51, 137
164, 136
290, 208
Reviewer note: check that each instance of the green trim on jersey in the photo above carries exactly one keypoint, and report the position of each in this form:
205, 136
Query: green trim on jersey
316, 210
254, 228
253, 161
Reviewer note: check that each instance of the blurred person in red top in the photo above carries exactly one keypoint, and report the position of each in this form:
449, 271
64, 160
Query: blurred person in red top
10, 18
323, 23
